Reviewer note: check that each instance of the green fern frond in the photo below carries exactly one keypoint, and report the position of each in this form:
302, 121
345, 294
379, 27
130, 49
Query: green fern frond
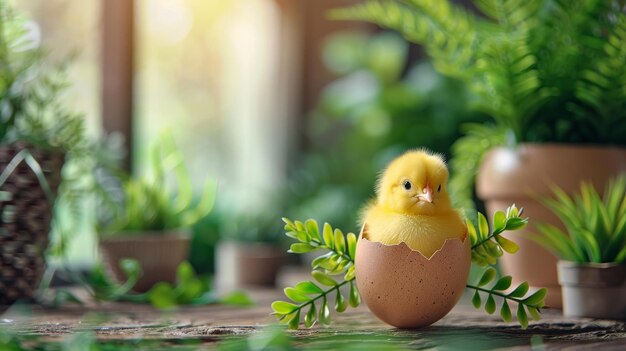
513, 15
446, 31
468, 152
569, 33
508, 81
603, 86
524, 61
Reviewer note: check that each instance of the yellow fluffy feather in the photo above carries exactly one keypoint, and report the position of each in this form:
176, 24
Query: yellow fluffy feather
413, 206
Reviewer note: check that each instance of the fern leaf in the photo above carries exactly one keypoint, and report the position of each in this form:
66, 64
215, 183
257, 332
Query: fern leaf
447, 31
603, 86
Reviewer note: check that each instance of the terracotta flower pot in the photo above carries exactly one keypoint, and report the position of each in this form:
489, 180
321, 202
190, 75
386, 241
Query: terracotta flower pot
521, 176
241, 264
159, 255
596, 290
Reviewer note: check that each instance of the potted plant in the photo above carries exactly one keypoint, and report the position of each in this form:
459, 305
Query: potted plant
152, 219
249, 252
551, 75
592, 250
38, 136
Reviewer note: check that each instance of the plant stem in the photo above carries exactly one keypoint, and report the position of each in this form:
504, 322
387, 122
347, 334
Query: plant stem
493, 292
489, 237
324, 246
323, 294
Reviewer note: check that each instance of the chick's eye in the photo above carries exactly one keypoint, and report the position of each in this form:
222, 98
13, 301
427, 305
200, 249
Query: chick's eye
407, 185
439, 188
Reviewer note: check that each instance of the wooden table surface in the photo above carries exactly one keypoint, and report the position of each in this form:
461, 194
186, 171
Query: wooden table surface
464, 328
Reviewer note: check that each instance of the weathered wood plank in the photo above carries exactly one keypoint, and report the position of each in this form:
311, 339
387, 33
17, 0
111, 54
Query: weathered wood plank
464, 327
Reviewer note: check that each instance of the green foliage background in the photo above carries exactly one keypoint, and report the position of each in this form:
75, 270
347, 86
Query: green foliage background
380, 106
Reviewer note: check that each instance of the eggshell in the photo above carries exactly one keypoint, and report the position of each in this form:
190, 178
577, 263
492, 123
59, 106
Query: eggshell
407, 290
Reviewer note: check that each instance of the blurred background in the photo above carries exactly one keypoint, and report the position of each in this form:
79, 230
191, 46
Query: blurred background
291, 113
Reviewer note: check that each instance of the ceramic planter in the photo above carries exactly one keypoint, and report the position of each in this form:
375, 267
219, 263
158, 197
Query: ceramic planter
240, 264
596, 290
158, 253
522, 176
26, 215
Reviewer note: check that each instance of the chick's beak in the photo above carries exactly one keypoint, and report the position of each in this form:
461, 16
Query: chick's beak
427, 194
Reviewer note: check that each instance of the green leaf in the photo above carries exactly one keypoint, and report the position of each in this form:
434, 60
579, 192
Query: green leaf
130, 268
302, 236
499, 221
471, 230
312, 229
291, 234
536, 299
476, 299
329, 239
512, 212
296, 295
505, 312
621, 256
328, 263
503, 283
487, 277
308, 288
534, 313
289, 225
340, 241
162, 296
490, 305
522, 318
492, 248
516, 223
350, 273
320, 259
355, 297
483, 227
558, 243
282, 307
311, 316
300, 226
285, 319
520, 291
185, 272
340, 302
295, 321
237, 298
507, 245
324, 316
352, 239
323, 278
301, 248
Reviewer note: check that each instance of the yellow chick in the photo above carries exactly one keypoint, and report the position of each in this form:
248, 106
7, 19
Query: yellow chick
412, 205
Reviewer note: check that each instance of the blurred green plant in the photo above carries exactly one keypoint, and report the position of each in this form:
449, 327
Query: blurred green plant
33, 112
154, 202
595, 226
31, 108
379, 107
259, 226
487, 246
190, 289
548, 71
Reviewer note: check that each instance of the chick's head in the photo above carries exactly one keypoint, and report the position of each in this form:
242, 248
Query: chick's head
415, 183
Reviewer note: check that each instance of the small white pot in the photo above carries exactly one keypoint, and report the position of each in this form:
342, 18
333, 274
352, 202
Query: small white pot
596, 290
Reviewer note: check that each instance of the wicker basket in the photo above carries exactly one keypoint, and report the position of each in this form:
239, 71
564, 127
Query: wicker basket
25, 222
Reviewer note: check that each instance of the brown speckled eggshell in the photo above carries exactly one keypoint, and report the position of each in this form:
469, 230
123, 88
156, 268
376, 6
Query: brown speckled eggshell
407, 290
